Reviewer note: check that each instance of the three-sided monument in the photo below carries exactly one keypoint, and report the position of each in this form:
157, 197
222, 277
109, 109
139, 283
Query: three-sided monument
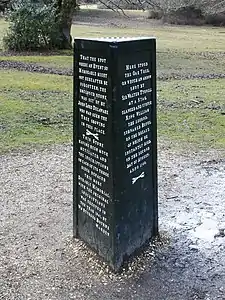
115, 146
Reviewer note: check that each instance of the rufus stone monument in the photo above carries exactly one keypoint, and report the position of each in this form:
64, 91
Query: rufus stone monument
115, 154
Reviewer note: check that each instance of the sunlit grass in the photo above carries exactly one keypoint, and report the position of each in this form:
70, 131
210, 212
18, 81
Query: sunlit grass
35, 109
192, 111
34, 81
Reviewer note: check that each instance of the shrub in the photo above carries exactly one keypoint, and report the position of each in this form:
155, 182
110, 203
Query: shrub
155, 14
33, 26
215, 19
189, 15
4, 5
189, 12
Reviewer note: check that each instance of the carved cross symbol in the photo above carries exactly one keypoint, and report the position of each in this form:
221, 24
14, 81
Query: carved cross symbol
142, 175
95, 135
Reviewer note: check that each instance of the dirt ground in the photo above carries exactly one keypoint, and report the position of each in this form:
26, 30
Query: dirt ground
40, 260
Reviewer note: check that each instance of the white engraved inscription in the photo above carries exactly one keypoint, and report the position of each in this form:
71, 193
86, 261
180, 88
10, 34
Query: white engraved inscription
142, 175
136, 112
92, 156
95, 135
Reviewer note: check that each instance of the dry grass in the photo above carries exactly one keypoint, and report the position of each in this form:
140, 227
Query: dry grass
181, 38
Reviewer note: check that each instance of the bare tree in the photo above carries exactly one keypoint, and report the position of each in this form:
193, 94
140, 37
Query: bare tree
168, 5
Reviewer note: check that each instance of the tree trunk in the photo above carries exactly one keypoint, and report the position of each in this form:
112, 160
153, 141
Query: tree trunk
65, 11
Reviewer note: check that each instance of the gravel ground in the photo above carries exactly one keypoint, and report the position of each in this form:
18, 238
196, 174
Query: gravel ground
40, 260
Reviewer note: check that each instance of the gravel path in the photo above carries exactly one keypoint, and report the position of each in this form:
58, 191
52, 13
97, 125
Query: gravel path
39, 259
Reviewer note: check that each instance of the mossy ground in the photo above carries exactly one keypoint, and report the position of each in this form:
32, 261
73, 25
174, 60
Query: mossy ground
36, 109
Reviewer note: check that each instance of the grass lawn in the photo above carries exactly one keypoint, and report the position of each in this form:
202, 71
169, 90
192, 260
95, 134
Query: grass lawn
179, 38
192, 111
36, 109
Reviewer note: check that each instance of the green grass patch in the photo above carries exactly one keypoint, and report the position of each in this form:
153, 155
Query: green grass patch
187, 63
201, 94
199, 129
192, 112
27, 137
17, 80
36, 111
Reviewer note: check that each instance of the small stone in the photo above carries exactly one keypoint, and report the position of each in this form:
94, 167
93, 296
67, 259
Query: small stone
193, 247
221, 233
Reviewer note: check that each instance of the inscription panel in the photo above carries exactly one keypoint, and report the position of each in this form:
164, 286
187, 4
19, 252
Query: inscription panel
93, 154
136, 115
135, 211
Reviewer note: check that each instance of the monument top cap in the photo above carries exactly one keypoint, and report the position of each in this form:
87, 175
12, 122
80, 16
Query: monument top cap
116, 39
